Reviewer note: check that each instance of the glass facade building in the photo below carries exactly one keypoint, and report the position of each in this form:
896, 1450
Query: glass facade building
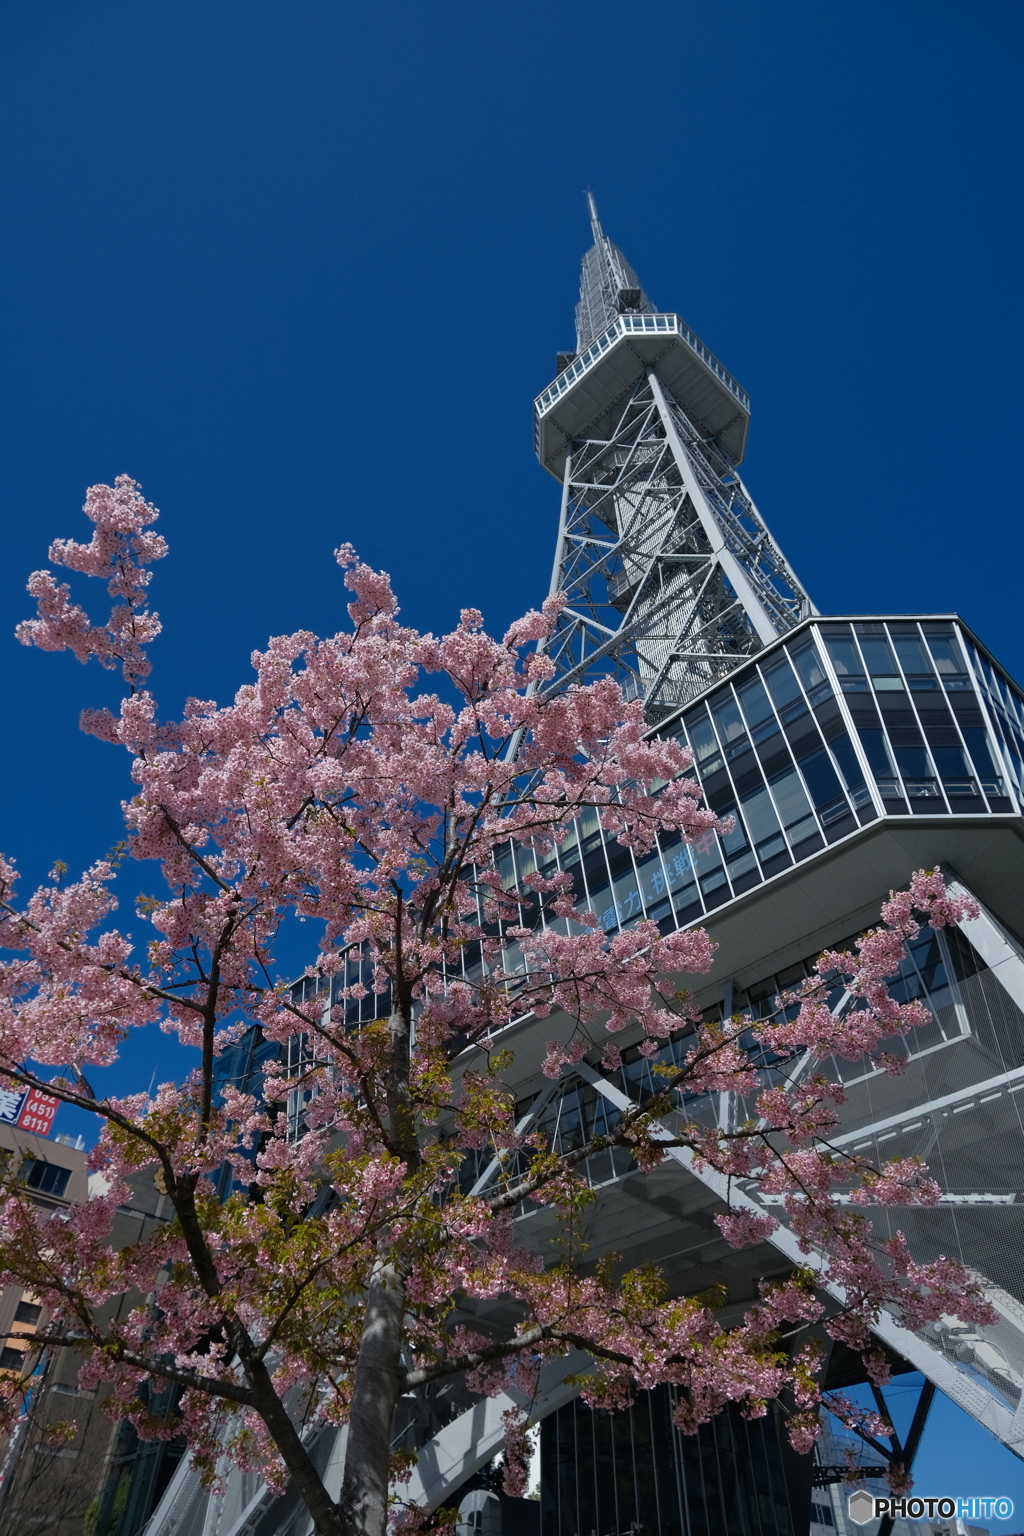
634, 1472
840, 724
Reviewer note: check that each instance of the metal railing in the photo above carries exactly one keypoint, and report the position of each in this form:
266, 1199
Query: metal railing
627, 325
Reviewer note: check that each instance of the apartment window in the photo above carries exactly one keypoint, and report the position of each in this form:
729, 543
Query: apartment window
47, 1178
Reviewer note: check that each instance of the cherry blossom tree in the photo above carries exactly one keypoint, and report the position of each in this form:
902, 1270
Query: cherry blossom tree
366, 783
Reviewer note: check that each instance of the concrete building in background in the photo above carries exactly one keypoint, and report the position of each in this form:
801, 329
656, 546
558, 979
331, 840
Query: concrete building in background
48, 1489
55, 1173
849, 751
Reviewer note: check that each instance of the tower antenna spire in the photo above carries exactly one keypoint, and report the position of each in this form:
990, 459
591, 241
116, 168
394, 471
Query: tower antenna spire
595, 222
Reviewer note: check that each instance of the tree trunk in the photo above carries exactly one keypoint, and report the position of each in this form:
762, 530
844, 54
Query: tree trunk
364, 1492
326, 1515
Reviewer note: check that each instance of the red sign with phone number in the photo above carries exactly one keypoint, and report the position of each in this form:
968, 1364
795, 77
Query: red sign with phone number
37, 1112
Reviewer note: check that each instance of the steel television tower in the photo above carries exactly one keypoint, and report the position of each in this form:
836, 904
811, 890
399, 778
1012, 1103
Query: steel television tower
847, 752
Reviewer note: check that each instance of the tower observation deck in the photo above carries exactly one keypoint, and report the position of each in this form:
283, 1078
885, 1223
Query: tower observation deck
672, 576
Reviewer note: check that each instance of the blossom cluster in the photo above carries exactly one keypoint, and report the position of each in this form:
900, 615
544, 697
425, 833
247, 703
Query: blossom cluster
367, 783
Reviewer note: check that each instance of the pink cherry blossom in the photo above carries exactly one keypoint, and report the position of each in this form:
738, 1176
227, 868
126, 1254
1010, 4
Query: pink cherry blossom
366, 785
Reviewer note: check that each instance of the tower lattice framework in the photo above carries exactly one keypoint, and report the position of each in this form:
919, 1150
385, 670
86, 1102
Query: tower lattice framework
671, 575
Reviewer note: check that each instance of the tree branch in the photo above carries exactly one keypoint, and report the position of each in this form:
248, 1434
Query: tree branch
474, 1358
119, 1352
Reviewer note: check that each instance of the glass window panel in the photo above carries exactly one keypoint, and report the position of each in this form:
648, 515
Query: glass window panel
782, 685
706, 853
1016, 762
822, 779
46, 1177
801, 831
912, 654
589, 827
735, 841
627, 899
738, 753
790, 798
740, 865
653, 884
878, 655
759, 815
951, 762
906, 987
849, 763
913, 762
976, 738
727, 717
714, 884
845, 657
808, 664
946, 654
702, 738
526, 860
756, 705
772, 847
876, 749
679, 868
506, 869
927, 957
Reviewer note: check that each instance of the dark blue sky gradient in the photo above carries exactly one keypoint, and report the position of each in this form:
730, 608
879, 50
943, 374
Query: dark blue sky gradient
301, 267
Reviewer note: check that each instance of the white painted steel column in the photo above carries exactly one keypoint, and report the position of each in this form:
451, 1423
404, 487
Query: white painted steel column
563, 517
994, 945
733, 568
469, 1442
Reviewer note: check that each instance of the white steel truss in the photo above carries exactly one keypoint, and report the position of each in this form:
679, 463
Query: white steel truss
671, 575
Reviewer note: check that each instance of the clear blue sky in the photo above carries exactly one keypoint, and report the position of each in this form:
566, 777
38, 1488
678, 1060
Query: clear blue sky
300, 267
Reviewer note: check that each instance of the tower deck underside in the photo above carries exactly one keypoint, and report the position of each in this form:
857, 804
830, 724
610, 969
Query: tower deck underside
584, 398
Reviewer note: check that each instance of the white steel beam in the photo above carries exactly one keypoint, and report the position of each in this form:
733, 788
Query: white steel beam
469, 1442
960, 1388
738, 578
994, 945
